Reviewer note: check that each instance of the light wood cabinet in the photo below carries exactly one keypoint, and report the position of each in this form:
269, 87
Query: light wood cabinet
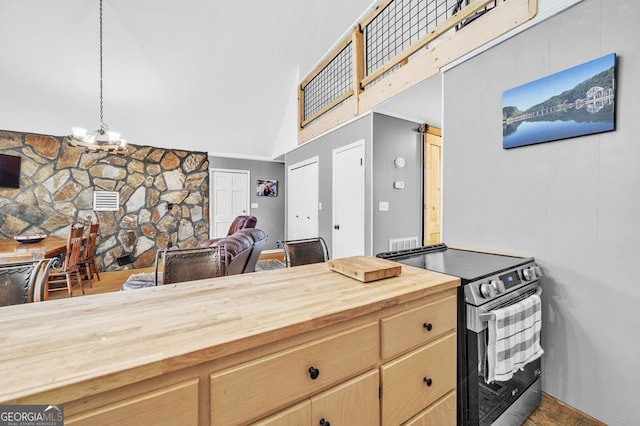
299, 414
385, 368
171, 405
414, 327
440, 413
416, 380
351, 403
252, 389
412, 382
415, 374
286, 347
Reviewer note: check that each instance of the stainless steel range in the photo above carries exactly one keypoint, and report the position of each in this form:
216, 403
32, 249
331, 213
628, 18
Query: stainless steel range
489, 282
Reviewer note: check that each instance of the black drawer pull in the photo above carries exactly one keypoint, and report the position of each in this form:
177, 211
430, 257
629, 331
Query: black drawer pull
428, 381
427, 325
323, 422
313, 373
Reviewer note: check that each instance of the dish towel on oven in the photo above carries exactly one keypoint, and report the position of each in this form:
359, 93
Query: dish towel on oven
514, 338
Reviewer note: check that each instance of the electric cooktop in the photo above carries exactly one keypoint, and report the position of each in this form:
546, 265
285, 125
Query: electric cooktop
468, 265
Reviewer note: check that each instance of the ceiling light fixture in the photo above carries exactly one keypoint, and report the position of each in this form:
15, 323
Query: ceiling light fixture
101, 139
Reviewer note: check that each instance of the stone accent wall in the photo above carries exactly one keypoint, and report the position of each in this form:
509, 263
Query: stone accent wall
56, 189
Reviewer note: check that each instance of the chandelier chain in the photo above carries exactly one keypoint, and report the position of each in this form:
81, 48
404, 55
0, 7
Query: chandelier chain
101, 140
102, 125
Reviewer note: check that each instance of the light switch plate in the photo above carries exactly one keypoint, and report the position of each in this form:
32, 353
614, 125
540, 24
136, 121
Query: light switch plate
254, 205
383, 206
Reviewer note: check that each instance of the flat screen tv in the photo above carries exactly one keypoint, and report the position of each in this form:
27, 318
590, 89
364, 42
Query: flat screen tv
10, 171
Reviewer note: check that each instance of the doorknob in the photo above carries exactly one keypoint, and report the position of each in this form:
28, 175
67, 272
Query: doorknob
336, 226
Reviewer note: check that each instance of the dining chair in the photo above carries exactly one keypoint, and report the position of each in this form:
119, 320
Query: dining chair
192, 264
304, 251
23, 282
88, 259
176, 265
70, 267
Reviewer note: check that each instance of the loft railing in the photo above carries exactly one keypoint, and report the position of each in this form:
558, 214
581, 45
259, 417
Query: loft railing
399, 44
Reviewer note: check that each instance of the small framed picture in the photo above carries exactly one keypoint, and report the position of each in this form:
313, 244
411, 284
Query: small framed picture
267, 188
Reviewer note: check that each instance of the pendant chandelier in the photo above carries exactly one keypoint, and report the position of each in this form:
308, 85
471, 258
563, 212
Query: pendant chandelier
101, 139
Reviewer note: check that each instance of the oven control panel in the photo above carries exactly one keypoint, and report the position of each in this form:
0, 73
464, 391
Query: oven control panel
482, 291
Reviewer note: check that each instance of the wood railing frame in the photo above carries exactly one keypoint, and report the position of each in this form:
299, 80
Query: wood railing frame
361, 98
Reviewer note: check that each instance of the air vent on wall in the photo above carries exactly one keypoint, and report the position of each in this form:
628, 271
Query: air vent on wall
396, 244
106, 201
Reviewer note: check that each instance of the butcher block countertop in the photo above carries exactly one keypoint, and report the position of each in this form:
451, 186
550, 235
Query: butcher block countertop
90, 344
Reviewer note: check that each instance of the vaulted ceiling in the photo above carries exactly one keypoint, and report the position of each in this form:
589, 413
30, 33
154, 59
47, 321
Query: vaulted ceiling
195, 74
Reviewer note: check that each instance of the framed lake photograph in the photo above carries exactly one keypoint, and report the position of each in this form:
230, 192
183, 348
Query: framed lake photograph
267, 188
575, 102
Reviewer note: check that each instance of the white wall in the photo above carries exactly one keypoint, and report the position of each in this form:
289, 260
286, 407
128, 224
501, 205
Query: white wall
574, 204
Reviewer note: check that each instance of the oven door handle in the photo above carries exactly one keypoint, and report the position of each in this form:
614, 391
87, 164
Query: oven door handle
485, 317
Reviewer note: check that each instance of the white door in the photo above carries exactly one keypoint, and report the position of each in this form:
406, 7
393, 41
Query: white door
229, 198
302, 200
348, 201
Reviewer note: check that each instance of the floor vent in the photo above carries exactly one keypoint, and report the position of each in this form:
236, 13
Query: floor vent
124, 259
396, 244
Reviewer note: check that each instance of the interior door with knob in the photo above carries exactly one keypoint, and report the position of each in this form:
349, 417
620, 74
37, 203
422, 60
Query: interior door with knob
229, 198
348, 201
302, 199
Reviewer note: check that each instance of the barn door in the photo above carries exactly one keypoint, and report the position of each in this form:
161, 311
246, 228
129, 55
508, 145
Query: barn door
432, 140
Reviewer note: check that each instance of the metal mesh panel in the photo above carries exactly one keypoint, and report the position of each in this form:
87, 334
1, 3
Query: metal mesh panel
400, 25
470, 19
382, 76
332, 82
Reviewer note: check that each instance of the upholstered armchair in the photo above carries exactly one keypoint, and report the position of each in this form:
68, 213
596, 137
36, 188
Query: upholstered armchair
242, 250
240, 222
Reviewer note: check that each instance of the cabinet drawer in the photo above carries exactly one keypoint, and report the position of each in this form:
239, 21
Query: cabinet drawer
352, 403
249, 391
177, 404
409, 329
299, 414
441, 413
414, 381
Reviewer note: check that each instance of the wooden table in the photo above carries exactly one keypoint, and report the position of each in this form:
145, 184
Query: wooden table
12, 251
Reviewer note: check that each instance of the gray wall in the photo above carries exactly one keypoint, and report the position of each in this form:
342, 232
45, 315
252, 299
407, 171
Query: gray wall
392, 137
270, 211
572, 204
323, 148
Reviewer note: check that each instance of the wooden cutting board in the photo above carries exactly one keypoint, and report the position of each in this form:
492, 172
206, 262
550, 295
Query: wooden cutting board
365, 268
